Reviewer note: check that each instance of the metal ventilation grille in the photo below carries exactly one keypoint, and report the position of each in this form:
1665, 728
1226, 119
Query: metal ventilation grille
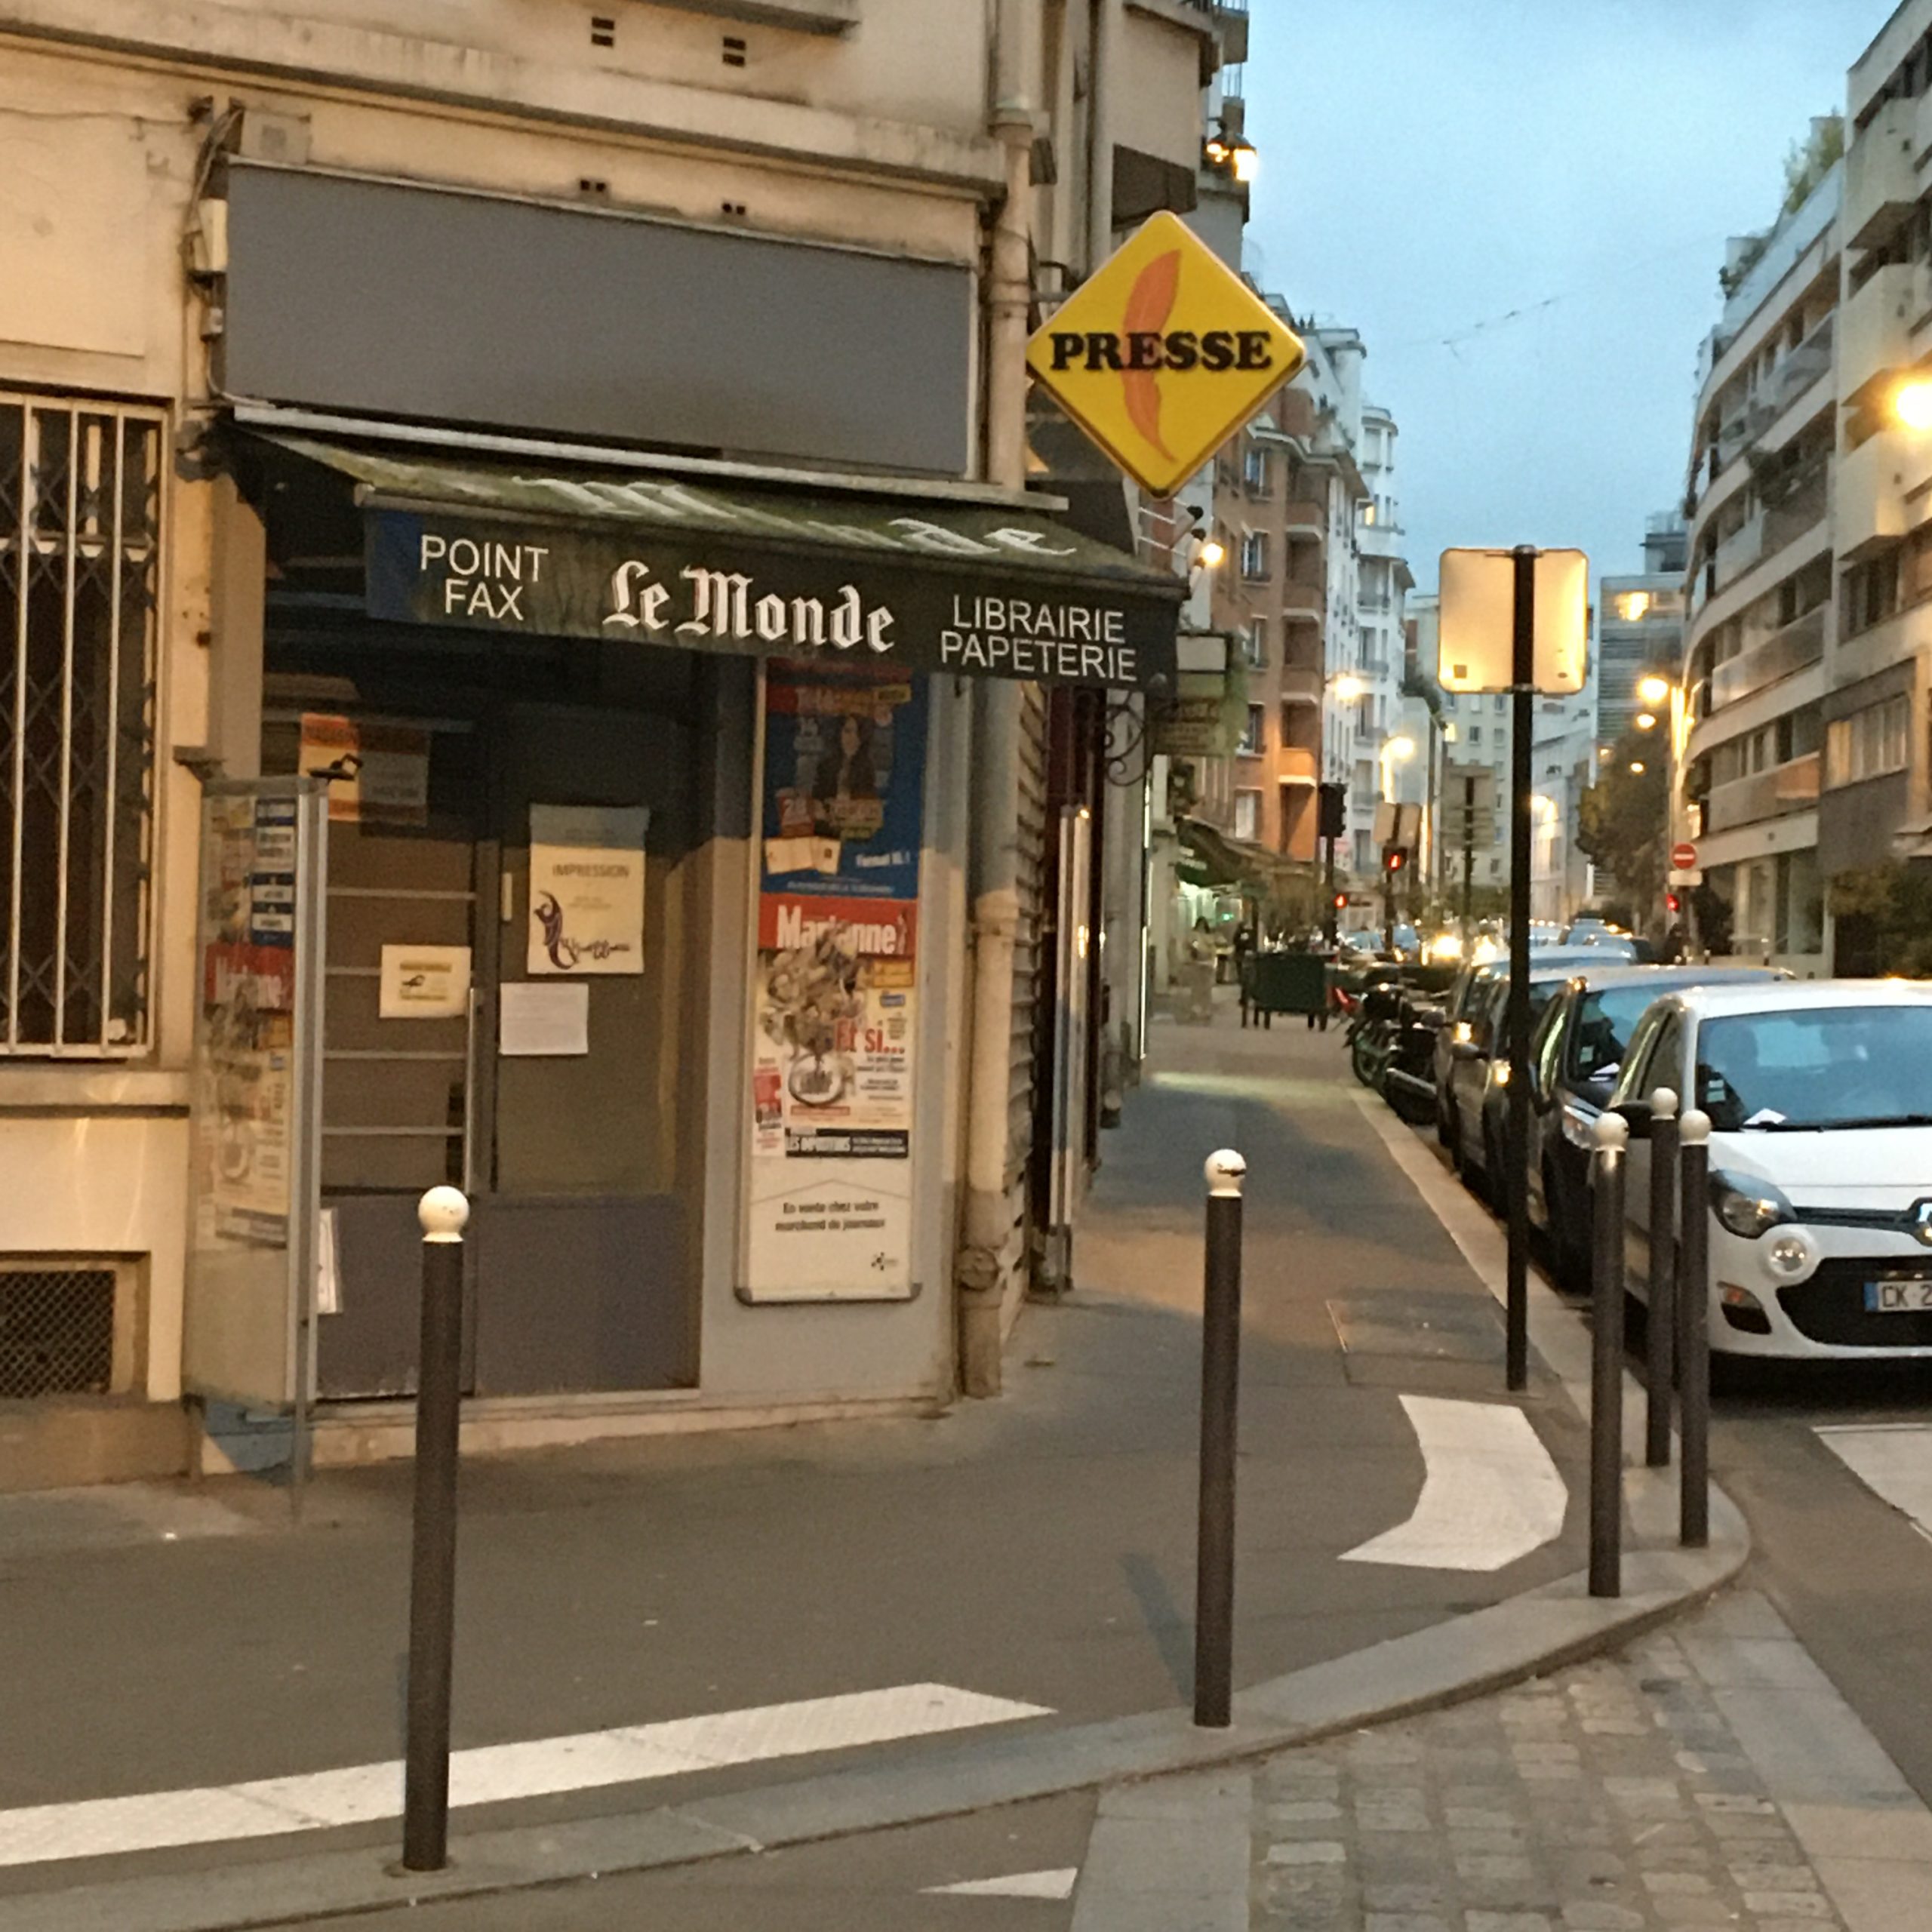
57, 1332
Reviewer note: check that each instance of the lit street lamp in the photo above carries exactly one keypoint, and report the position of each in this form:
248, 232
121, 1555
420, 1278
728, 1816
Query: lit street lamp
1911, 403
1652, 689
1645, 721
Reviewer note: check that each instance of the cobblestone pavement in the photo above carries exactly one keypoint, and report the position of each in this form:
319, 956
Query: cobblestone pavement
1614, 1797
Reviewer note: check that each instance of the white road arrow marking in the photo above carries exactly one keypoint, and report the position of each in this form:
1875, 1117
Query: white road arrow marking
356, 1794
1490, 1495
1058, 1884
1893, 1460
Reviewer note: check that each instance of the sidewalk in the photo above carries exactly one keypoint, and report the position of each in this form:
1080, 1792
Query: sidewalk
1024, 1567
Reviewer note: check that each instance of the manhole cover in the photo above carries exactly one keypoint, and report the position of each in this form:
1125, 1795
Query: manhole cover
1419, 1324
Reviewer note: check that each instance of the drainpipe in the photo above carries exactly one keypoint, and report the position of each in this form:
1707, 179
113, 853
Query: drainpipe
988, 1222
1100, 133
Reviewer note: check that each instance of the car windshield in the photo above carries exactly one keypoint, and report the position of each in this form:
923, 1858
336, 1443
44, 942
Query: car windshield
1604, 1019
1842, 1066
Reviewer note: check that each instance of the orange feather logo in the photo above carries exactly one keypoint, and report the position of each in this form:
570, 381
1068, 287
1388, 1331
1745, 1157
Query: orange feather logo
1149, 305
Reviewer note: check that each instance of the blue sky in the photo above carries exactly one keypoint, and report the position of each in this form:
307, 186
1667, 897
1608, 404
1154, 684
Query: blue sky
1429, 165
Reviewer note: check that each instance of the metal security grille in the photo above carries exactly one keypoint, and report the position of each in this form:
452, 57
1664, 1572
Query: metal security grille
80, 536
57, 1332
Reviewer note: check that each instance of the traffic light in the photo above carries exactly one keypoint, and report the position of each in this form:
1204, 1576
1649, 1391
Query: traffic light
1672, 903
1340, 902
1332, 819
1394, 858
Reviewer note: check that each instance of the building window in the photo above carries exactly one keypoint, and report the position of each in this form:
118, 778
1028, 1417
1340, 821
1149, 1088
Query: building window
80, 533
1869, 743
1254, 554
1871, 593
1248, 814
1254, 738
1475, 734
1254, 470
1254, 641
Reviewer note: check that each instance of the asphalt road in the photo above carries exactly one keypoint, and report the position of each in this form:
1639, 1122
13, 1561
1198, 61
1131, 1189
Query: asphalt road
1849, 1571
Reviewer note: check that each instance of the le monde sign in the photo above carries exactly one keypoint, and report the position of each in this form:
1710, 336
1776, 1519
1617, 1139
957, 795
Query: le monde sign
933, 611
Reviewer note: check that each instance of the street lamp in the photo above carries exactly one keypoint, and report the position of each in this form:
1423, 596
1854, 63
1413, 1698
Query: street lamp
1212, 554
1637, 767
1911, 403
1652, 689
1397, 750
1347, 688
1645, 721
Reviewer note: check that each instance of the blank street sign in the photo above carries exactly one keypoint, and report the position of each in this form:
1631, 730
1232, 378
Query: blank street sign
1476, 628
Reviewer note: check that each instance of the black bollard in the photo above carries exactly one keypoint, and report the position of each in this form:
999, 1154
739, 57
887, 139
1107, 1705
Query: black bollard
425, 1812
1693, 1330
1220, 1383
1660, 1322
1607, 1360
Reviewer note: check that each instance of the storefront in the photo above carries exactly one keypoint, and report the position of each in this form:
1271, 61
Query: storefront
625, 890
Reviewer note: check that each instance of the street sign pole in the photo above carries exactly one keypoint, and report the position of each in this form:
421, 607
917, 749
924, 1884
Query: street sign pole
1469, 860
1522, 723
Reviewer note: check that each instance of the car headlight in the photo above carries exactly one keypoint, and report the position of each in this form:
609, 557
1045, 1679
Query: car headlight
1463, 1033
1748, 1207
1790, 1256
1579, 1129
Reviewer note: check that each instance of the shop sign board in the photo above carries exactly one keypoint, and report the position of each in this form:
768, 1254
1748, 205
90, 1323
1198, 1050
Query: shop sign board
587, 889
1162, 353
834, 993
907, 595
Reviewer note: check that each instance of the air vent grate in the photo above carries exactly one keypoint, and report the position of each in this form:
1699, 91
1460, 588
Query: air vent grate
57, 1332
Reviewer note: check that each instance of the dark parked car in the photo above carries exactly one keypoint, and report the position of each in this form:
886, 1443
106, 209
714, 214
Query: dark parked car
1479, 1066
1575, 1059
1468, 998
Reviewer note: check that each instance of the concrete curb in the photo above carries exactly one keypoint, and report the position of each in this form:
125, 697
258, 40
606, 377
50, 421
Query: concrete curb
1507, 1643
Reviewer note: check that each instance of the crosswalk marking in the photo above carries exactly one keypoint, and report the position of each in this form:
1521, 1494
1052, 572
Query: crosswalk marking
540, 1767
1893, 1459
1058, 1884
1490, 1494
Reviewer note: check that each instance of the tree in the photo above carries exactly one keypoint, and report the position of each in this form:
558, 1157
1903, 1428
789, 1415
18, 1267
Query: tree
1883, 917
1623, 822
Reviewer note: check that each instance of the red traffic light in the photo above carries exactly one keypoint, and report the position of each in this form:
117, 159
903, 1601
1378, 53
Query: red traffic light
1671, 903
1341, 902
1395, 859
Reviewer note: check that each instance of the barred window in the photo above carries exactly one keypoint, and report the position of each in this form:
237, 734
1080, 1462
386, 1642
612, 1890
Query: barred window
80, 532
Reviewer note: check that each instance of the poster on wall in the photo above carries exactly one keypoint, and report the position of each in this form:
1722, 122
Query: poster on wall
378, 773
587, 889
248, 1019
834, 992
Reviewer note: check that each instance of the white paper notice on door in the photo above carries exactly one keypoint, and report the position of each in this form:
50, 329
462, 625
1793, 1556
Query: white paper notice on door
537, 1020
587, 889
424, 983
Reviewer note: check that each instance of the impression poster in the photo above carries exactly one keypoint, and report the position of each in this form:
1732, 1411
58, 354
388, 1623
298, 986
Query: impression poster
834, 988
587, 889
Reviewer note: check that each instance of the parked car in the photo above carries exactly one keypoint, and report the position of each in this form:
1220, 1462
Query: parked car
1820, 1095
1479, 1068
1467, 997
1574, 1063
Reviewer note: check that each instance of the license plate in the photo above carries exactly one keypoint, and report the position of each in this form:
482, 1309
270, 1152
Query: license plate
1899, 1295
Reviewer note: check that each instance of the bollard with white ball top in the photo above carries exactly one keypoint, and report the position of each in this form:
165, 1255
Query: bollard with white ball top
1612, 1134
1220, 1383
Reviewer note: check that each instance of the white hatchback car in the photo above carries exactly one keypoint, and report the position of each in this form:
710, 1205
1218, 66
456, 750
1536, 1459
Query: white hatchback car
1820, 1095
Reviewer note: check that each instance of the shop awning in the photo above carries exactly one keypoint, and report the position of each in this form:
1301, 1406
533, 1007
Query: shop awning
1226, 860
895, 581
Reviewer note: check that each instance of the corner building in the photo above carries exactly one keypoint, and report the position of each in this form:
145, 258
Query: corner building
505, 542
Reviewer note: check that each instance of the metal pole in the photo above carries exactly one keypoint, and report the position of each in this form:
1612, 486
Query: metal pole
1469, 861
1220, 1381
425, 1813
1607, 1360
1329, 923
1693, 1330
1660, 1322
1523, 673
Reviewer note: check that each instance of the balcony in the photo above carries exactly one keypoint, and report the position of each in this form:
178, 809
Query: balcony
1739, 553
1294, 766
1797, 646
1304, 522
1805, 503
1303, 601
1784, 788
1877, 336
1301, 684
1881, 183
1872, 481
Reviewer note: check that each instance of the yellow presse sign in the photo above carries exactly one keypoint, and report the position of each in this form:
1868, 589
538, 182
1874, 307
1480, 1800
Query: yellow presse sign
1162, 353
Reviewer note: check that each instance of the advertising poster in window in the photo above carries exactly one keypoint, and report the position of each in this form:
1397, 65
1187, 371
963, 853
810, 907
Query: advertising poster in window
378, 773
834, 987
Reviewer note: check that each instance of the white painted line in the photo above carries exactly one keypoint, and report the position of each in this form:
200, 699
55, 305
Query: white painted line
359, 1794
1491, 1494
1893, 1461
1021, 1885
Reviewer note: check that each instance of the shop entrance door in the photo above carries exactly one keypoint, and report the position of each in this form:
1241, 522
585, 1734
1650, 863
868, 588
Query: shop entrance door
583, 1256
579, 1256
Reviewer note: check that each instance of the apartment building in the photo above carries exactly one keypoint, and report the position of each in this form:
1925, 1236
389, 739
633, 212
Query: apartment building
1759, 619
357, 566
1640, 630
